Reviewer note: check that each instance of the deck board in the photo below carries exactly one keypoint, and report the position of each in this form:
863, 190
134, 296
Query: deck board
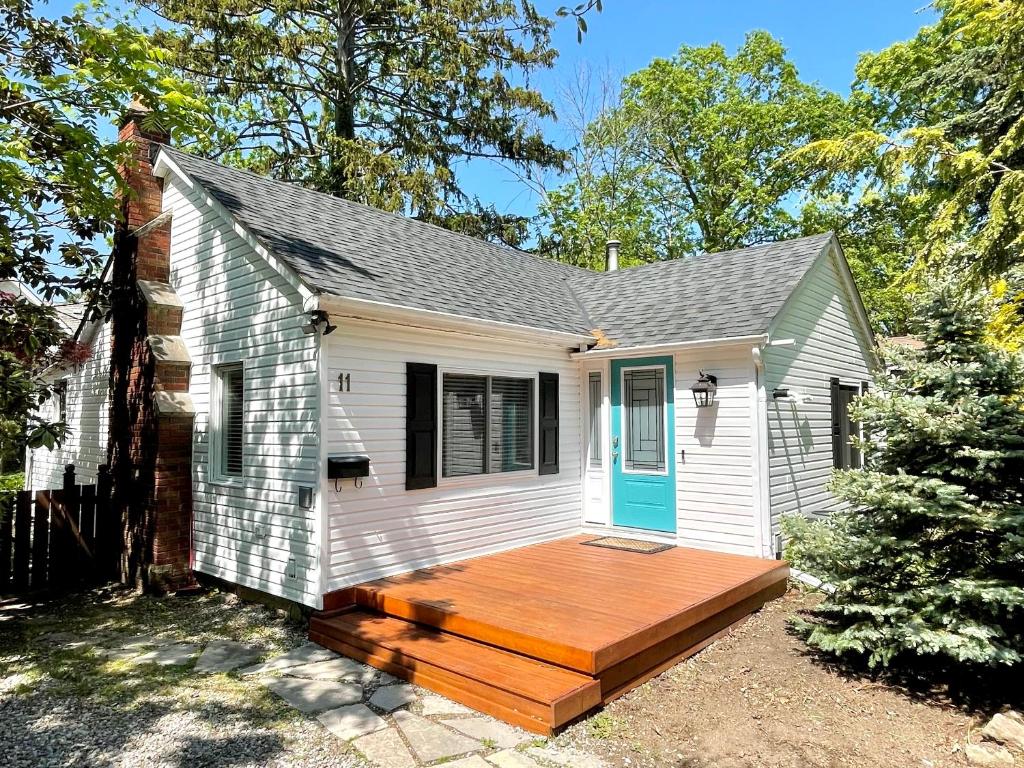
591, 606
540, 635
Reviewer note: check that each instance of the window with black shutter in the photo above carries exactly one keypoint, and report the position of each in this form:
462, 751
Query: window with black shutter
486, 424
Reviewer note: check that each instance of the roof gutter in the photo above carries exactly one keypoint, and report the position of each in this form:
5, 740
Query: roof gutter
652, 349
366, 309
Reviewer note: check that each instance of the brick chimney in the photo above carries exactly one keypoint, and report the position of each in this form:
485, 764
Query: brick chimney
151, 413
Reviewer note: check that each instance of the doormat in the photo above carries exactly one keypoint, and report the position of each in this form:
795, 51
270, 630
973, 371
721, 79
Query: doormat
628, 545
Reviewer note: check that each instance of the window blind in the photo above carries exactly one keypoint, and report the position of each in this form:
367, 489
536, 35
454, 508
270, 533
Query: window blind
511, 425
487, 425
465, 428
232, 421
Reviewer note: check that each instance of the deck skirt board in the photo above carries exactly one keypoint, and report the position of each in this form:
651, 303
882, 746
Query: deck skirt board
538, 636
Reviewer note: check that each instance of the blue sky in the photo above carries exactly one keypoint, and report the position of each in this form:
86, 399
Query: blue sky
824, 40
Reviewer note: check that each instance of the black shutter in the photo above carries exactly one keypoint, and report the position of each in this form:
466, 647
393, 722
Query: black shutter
837, 423
420, 425
548, 424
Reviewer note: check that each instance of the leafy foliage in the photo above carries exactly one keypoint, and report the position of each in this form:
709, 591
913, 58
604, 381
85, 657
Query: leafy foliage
64, 81
948, 125
928, 558
373, 101
700, 145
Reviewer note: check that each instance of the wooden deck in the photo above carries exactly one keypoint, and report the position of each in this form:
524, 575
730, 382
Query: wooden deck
540, 635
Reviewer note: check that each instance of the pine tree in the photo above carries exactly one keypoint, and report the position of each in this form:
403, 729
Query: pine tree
927, 560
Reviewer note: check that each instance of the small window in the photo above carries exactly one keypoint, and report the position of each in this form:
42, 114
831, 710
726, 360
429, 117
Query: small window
594, 411
60, 389
229, 435
845, 454
487, 425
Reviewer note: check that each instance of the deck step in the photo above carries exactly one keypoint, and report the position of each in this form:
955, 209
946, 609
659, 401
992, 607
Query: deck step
529, 693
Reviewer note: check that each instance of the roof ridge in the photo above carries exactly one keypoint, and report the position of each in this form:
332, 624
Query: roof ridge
689, 259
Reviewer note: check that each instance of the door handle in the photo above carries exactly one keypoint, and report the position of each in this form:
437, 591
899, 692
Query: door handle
615, 456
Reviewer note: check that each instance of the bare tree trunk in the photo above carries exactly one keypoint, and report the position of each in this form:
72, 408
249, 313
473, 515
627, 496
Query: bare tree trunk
344, 100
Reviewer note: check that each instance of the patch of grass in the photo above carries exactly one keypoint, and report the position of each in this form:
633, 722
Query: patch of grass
603, 726
489, 743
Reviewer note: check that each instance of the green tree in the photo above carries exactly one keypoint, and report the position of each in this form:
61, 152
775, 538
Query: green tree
948, 125
880, 235
374, 101
702, 139
64, 82
927, 559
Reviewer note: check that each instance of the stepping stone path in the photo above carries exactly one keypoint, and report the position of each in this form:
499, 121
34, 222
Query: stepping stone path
226, 655
391, 697
174, 655
314, 695
431, 741
393, 724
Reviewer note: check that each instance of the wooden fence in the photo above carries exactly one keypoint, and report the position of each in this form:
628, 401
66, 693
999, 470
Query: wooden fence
60, 538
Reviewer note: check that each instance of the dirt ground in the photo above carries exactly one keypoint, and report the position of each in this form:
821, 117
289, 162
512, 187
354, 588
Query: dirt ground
757, 698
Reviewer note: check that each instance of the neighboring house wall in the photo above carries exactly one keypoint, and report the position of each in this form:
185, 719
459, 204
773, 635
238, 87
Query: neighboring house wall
829, 341
715, 506
237, 308
88, 410
381, 528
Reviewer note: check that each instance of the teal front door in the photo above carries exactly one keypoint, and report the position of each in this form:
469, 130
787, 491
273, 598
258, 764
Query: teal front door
643, 444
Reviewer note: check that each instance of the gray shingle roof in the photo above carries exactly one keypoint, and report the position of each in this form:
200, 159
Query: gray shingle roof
710, 296
353, 251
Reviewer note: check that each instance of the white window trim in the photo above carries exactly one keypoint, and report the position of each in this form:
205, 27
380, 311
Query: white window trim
216, 415
486, 478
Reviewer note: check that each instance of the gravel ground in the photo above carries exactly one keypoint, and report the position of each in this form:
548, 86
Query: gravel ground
757, 698
65, 704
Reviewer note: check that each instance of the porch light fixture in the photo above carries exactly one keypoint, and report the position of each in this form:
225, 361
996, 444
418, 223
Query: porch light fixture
704, 390
318, 317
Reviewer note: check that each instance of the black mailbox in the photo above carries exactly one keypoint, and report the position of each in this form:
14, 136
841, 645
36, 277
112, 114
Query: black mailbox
347, 465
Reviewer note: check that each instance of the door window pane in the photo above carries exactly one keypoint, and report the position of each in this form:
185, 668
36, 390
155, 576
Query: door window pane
644, 422
594, 407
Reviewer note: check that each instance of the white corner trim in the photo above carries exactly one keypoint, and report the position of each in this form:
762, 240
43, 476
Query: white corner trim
164, 165
365, 309
675, 346
762, 465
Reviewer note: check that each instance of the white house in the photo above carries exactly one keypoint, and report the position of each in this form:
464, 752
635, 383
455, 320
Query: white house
499, 399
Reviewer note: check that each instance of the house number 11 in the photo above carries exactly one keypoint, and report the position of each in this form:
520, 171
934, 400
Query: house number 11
344, 382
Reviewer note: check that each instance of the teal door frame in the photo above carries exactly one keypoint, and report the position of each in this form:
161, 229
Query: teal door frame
642, 499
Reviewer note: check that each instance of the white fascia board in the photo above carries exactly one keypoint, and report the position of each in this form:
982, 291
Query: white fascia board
653, 349
365, 309
164, 164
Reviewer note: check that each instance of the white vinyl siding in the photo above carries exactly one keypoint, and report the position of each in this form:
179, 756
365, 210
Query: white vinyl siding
248, 529
715, 501
381, 528
88, 413
827, 341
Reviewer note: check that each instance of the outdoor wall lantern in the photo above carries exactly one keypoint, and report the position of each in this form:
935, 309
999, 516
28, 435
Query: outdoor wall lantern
318, 317
704, 390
